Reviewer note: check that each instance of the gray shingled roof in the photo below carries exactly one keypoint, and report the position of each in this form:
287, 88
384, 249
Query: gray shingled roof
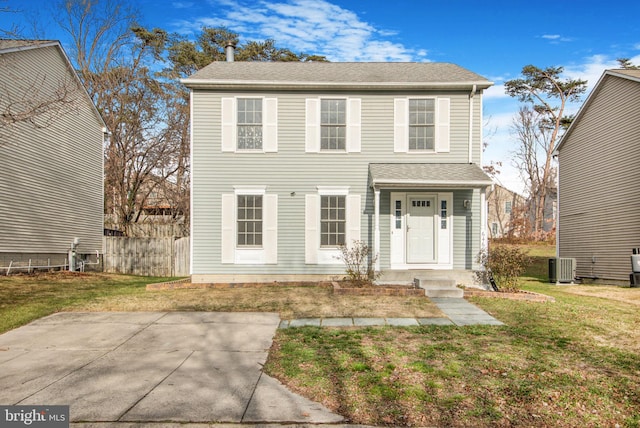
374, 74
447, 175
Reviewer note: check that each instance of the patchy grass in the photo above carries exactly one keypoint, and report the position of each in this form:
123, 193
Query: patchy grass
568, 364
24, 298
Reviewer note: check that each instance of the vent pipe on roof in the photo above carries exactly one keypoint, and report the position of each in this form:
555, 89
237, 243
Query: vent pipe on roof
229, 50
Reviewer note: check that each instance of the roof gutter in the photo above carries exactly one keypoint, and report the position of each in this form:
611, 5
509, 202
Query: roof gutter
292, 85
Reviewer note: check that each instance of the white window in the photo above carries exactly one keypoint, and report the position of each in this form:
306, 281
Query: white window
332, 218
421, 124
249, 220
249, 124
507, 207
332, 124
249, 226
422, 133
494, 229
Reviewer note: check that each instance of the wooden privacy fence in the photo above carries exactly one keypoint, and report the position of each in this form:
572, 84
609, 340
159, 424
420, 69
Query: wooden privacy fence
146, 256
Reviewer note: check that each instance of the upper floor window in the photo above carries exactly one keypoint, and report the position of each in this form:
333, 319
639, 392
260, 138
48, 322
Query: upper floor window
422, 124
333, 124
507, 207
249, 124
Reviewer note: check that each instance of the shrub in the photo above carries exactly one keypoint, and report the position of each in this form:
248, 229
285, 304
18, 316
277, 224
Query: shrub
359, 263
506, 263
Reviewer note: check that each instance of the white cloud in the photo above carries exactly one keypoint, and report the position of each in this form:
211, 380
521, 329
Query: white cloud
309, 26
555, 38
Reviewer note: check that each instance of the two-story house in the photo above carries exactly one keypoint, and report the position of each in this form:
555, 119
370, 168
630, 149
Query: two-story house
506, 211
291, 160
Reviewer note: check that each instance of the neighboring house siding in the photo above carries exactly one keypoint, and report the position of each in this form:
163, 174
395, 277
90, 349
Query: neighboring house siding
51, 178
599, 221
291, 173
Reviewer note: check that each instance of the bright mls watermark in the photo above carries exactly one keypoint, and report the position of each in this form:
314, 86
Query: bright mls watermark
34, 416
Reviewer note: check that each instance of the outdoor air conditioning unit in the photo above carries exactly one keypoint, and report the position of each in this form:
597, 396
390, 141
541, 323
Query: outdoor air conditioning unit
562, 270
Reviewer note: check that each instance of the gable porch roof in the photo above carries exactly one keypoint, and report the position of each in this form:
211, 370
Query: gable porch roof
433, 175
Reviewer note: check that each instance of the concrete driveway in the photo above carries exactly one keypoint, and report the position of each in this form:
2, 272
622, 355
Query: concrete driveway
151, 367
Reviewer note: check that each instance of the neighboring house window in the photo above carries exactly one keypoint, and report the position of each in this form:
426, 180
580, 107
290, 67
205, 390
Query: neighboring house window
249, 124
507, 207
332, 221
422, 124
333, 124
494, 229
249, 221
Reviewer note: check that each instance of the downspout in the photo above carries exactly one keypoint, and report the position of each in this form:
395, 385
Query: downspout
471, 95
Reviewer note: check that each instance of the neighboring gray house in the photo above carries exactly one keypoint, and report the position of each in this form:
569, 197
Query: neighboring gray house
290, 160
599, 177
51, 139
504, 206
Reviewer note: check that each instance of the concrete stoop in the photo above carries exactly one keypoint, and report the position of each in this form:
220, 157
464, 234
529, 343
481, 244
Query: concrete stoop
440, 287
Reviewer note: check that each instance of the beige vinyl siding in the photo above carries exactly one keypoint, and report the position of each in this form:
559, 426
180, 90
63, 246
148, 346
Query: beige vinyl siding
292, 173
51, 179
599, 221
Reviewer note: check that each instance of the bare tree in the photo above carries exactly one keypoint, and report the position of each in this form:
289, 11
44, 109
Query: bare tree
539, 127
115, 65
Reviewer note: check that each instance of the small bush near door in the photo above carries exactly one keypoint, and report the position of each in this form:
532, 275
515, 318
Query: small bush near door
506, 263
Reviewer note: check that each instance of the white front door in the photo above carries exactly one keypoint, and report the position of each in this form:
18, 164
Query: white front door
421, 242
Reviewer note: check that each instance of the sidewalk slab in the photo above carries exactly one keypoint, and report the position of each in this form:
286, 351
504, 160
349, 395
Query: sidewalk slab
337, 322
401, 322
435, 321
305, 322
365, 322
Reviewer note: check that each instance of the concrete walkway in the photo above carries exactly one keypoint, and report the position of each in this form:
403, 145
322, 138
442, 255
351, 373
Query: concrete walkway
458, 311
180, 367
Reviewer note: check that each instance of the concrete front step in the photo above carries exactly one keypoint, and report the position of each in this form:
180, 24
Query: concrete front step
440, 288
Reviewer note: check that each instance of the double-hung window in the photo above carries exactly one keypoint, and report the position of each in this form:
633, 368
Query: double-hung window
249, 218
333, 124
249, 124
507, 207
249, 226
333, 220
422, 124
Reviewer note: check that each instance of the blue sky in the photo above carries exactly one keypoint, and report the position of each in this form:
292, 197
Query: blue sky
492, 38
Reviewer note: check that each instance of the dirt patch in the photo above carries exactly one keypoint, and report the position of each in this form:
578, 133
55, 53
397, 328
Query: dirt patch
521, 295
345, 289
620, 294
